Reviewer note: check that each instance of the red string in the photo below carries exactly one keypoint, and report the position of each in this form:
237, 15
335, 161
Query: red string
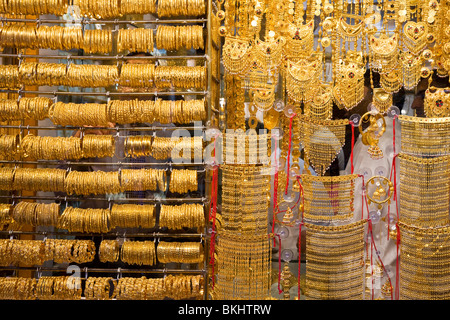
289, 153
279, 264
371, 256
353, 142
363, 192
397, 266
299, 258
213, 211
379, 258
275, 190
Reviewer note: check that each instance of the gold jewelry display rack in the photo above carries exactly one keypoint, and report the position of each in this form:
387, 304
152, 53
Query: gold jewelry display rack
211, 96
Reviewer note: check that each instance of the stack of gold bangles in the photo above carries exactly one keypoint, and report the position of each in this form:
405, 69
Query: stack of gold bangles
85, 220
138, 252
180, 77
26, 108
183, 181
6, 178
137, 75
51, 148
135, 40
97, 41
94, 182
93, 75
98, 146
97, 182
17, 288
98, 288
39, 179
69, 250
173, 8
36, 214
5, 215
35, 252
182, 216
143, 179
180, 252
178, 37
109, 251
58, 288
101, 288
66, 114
137, 6
35, 7
132, 216
8, 146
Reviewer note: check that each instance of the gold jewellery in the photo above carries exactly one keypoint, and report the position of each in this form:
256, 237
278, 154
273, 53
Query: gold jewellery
328, 198
437, 102
424, 196
182, 216
373, 133
132, 216
179, 252
335, 261
322, 141
425, 136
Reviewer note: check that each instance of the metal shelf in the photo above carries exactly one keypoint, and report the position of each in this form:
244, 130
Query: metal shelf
113, 22
109, 199
106, 93
110, 234
107, 270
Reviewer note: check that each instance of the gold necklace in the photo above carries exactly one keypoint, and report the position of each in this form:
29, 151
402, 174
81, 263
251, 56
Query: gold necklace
427, 137
303, 77
437, 102
415, 36
237, 55
322, 141
348, 88
335, 261
411, 66
384, 52
328, 198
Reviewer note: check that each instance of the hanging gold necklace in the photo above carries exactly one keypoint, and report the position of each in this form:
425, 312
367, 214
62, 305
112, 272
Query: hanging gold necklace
384, 52
322, 141
237, 55
328, 199
348, 88
303, 77
415, 36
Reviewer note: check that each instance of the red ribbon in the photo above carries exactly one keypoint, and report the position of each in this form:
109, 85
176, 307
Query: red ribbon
379, 258
279, 264
299, 258
275, 190
353, 143
213, 212
289, 153
397, 266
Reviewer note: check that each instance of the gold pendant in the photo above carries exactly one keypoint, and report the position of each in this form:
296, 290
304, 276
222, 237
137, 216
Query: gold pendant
382, 100
415, 36
237, 55
373, 133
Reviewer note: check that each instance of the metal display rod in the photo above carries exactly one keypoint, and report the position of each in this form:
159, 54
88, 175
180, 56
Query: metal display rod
99, 128
64, 198
108, 234
116, 21
106, 270
91, 57
88, 163
106, 93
